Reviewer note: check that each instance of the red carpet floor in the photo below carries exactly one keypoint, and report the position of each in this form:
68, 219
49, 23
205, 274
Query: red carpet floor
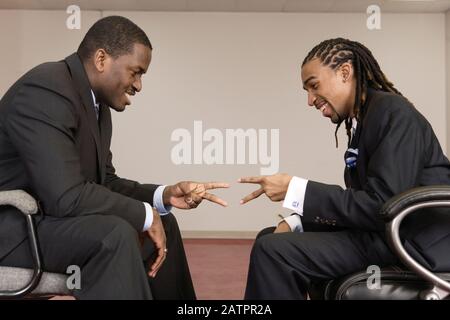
218, 267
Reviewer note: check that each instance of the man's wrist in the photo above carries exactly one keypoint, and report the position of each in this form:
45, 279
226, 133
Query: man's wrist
166, 195
158, 201
295, 222
295, 195
148, 221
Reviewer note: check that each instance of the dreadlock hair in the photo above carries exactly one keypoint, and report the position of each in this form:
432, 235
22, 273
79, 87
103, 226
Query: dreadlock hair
335, 52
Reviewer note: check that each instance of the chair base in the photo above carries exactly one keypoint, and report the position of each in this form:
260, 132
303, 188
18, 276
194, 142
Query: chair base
393, 284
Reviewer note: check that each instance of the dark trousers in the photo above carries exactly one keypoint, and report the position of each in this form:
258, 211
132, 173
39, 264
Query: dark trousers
112, 262
285, 265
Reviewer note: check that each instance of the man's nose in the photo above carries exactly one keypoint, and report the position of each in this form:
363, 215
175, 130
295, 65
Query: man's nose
137, 85
311, 99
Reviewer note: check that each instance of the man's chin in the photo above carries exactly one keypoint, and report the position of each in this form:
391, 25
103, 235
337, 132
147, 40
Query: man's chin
119, 108
335, 119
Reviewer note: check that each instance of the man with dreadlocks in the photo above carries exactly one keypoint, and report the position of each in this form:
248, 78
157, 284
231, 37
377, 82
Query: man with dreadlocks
336, 231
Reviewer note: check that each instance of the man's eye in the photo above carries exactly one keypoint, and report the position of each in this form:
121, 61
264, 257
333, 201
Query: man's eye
138, 74
315, 86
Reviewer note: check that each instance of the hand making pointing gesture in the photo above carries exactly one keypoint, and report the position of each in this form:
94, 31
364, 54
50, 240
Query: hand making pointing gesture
275, 186
189, 194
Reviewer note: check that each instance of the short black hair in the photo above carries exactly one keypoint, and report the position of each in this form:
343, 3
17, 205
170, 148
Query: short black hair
115, 34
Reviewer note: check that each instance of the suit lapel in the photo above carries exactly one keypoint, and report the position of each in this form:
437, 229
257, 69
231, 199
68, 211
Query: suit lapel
83, 87
355, 177
105, 136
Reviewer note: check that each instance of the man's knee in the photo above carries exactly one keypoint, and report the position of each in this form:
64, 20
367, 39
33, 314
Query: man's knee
265, 231
281, 245
267, 244
117, 232
261, 243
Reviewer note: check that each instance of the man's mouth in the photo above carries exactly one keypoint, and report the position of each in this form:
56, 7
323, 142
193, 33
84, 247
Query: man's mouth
324, 108
128, 94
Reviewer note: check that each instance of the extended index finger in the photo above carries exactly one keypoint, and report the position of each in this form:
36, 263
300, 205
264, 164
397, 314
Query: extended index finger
251, 179
215, 185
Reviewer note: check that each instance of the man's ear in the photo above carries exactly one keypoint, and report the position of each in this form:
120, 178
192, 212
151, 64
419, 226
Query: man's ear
100, 56
346, 71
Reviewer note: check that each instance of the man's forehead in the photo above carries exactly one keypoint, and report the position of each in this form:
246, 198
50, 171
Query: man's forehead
308, 73
141, 51
139, 57
311, 66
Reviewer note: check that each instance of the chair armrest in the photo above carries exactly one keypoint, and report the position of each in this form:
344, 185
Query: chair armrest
28, 206
413, 196
19, 199
400, 206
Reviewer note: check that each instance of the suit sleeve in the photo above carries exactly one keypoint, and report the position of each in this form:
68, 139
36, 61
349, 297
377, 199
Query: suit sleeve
396, 151
133, 189
41, 124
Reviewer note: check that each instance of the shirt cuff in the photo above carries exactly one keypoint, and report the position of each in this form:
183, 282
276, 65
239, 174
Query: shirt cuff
148, 216
295, 195
295, 222
158, 202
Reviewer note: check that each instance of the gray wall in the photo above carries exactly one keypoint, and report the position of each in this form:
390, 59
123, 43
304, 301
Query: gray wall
238, 70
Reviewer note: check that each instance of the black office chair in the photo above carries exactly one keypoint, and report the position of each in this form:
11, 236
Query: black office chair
22, 282
411, 281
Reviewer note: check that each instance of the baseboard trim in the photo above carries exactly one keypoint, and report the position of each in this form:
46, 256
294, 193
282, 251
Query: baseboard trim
218, 234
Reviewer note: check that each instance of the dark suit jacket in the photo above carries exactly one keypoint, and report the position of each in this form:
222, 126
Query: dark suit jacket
52, 146
398, 150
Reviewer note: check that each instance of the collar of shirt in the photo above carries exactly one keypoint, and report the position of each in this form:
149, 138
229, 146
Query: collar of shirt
96, 105
94, 99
